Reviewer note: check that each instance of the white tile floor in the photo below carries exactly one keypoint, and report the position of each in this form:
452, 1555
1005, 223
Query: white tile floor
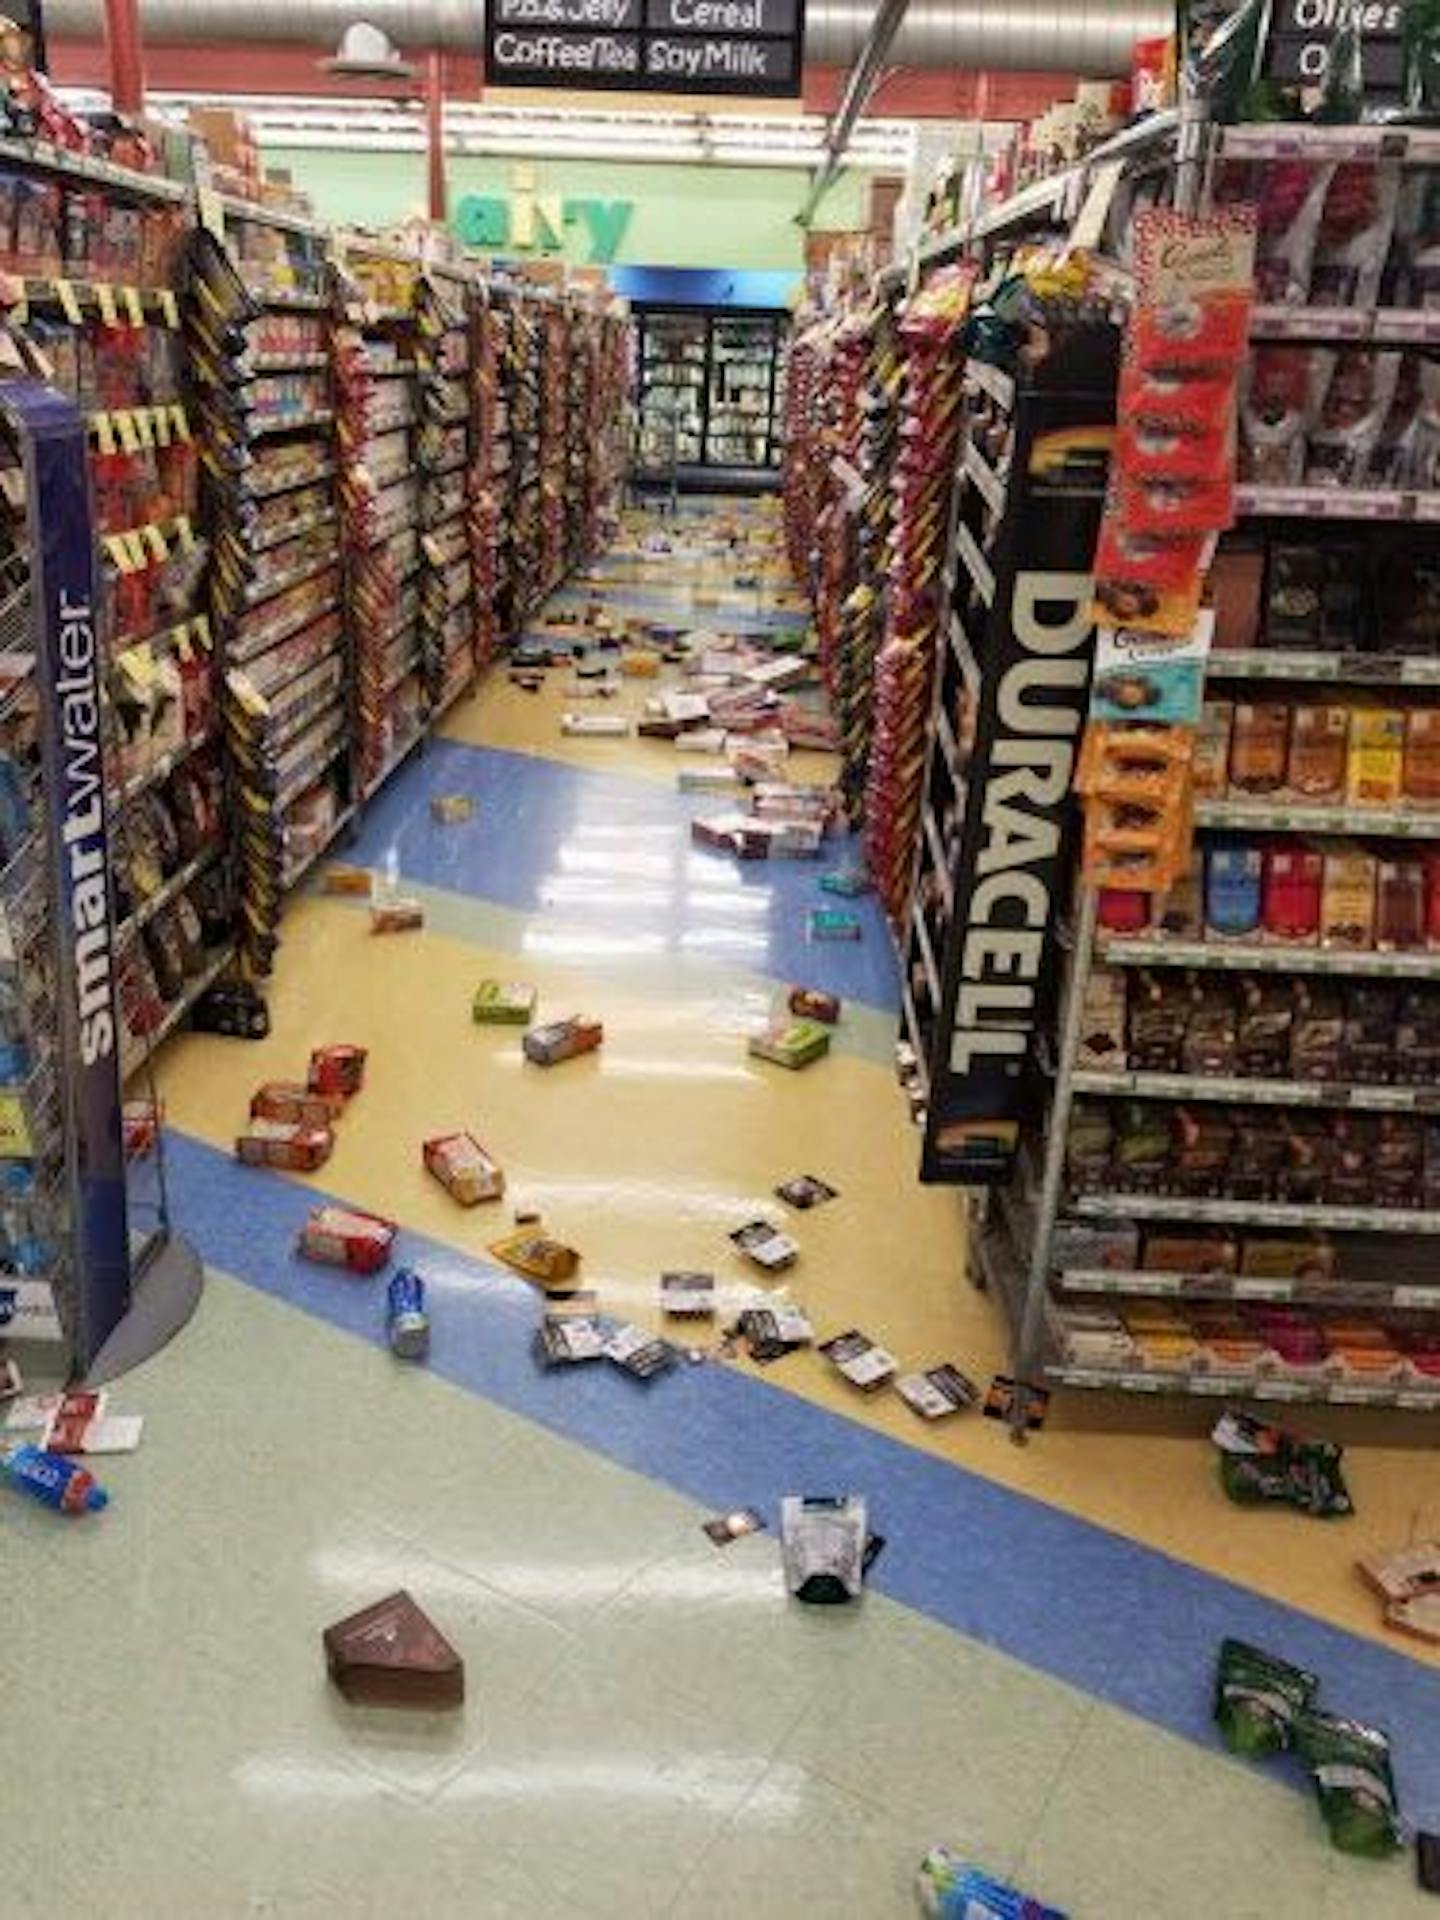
651, 1728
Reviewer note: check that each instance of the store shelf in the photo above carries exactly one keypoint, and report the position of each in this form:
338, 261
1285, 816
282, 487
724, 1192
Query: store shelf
396, 760
1252, 1091
1254, 1213
1336, 503
287, 299
1344, 669
1282, 816
993, 382
1223, 957
291, 483
1277, 140
291, 877
939, 861
315, 769
1384, 326
1247, 1386
1251, 1289
160, 770
263, 424
1047, 196
157, 902
267, 216
136, 1052
93, 172
260, 591
278, 536
256, 366
286, 631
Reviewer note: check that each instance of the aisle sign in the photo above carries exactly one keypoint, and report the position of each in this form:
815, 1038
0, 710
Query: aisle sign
1300, 34
655, 46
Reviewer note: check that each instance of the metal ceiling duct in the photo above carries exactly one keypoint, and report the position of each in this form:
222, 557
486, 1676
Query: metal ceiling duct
1046, 36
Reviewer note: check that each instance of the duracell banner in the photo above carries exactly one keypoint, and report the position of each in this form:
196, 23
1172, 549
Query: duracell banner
1016, 848
659, 46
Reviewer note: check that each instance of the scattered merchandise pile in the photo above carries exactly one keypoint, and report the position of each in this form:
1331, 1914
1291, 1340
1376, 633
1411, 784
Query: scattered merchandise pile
1264, 1707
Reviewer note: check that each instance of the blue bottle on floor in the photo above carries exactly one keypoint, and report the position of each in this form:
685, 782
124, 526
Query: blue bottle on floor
53, 1481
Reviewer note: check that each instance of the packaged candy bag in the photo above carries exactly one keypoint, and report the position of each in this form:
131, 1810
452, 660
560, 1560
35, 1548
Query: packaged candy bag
1260, 1463
1259, 1699
1350, 1764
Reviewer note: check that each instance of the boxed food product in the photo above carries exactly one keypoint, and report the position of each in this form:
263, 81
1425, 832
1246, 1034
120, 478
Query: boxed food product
504, 1003
562, 1040
1259, 746
280, 1143
1375, 773
813, 1003
1347, 898
765, 1245
791, 1043
1210, 760
855, 1356
348, 1237
464, 1169
293, 1104
1422, 755
1319, 739
1233, 872
338, 1070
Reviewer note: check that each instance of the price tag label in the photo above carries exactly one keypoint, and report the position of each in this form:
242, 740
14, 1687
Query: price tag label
184, 532
125, 427
169, 308
104, 428
69, 303
105, 300
1089, 227
181, 424
1416, 1296
155, 540
145, 427
160, 422
1248, 1289
134, 305
211, 211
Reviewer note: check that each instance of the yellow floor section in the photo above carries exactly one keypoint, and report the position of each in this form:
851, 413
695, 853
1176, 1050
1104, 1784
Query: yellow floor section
647, 1154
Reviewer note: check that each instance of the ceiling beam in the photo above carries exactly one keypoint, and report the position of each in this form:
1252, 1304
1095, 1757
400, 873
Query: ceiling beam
864, 76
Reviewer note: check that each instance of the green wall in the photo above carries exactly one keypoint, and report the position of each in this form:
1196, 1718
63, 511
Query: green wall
683, 216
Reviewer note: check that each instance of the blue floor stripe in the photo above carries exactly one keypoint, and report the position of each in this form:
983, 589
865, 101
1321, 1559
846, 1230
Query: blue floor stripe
601, 857
1123, 1622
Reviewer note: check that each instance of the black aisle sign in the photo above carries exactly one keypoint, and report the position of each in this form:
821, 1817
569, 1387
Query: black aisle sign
1012, 864
53, 442
657, 46
1297, 49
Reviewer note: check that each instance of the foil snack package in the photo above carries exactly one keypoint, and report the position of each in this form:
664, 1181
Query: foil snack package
1258, 1699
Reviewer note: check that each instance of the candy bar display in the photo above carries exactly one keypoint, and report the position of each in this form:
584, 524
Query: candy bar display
524, 578
929, 431
379, 431
447, 577
262, 367
489, 484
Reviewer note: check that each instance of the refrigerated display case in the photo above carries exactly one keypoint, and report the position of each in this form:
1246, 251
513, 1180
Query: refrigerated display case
711, 391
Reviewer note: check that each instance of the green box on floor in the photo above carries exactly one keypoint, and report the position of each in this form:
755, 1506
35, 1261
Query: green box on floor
791, 1043
504, 1003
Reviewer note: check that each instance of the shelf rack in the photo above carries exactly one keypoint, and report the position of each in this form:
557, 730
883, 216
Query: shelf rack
277, 587
1064, 1247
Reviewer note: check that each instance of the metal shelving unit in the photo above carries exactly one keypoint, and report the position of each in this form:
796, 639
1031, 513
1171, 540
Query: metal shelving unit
1040, 1242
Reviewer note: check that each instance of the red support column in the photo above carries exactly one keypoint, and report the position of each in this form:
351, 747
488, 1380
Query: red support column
127, 57
435, 133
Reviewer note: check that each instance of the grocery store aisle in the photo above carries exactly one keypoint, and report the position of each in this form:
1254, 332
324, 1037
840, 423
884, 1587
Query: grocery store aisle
651, 1728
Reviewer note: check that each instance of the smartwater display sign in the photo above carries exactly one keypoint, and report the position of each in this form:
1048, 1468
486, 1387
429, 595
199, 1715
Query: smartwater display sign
658, 46
52, 438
